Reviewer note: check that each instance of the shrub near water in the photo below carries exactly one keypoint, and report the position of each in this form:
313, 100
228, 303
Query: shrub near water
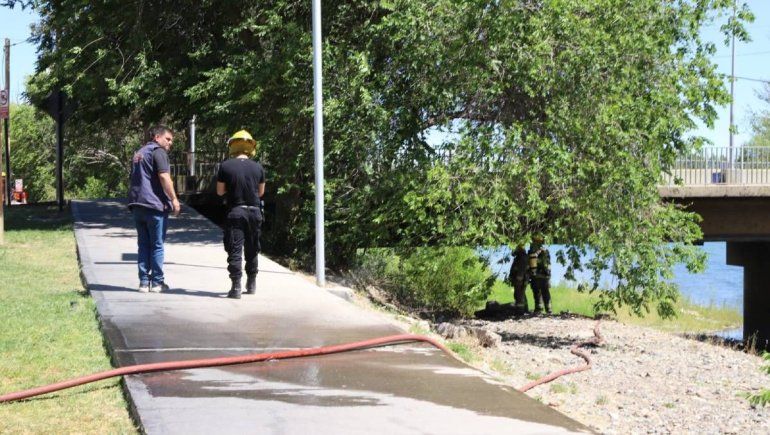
439, 280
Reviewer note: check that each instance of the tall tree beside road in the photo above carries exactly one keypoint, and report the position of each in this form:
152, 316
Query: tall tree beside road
34, 152
760, 123
94, 170
559, 116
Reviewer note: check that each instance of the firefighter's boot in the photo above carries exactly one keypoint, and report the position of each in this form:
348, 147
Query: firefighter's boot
548, 308
235, 290
538, 306
251, 284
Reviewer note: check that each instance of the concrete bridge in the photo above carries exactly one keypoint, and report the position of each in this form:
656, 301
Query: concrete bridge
730, 189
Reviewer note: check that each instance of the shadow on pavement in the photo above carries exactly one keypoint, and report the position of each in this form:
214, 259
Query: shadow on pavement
172, 291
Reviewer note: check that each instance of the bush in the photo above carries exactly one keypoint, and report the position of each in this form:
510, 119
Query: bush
94, 188
763, 397
452, 281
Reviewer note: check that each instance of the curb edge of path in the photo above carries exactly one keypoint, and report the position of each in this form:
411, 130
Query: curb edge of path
86, 278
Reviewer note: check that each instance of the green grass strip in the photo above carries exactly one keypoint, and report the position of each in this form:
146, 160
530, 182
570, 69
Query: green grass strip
691, 318
50, 331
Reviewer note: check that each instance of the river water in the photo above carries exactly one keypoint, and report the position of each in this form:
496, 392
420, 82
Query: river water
720, 285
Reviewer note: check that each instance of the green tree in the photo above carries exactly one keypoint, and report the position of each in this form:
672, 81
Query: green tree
760, 123
96, 163
33, 151
560, 115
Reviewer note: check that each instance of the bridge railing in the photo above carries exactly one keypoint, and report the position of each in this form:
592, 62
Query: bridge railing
722, 166
194, 172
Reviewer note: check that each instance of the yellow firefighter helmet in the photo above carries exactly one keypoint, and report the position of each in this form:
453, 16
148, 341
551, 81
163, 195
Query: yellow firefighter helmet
242, 143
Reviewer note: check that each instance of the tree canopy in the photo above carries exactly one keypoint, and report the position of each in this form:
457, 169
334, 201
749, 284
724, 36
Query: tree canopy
450, 122
760, 123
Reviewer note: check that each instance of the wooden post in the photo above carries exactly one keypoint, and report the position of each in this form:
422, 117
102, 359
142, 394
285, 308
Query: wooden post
7, 139
7, 122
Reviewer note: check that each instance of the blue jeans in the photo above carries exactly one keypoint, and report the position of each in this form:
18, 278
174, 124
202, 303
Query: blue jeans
151, 226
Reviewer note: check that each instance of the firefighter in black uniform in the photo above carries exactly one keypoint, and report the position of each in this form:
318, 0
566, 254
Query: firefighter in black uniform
540, 274
517, 277
242, 180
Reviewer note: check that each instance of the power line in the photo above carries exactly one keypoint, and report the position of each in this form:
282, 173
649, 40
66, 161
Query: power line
757, 53
752, 80
23, 41
748, 79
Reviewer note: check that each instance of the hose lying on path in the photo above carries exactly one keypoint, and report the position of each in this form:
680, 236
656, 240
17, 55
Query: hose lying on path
596, 340
223, 361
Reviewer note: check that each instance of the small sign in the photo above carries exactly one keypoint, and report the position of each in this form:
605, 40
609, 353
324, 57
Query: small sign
3, 104
18, 184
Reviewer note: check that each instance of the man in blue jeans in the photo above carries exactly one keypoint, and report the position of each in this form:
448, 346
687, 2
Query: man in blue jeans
151, 198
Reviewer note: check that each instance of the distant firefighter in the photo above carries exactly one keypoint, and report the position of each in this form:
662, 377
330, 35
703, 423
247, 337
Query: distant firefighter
517, 277
540, 274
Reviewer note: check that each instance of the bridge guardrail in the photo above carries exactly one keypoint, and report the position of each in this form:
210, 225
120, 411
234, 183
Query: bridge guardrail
709, 166
722, 166
194, 172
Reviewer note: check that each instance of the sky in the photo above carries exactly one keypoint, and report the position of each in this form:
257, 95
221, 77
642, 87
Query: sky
752, 61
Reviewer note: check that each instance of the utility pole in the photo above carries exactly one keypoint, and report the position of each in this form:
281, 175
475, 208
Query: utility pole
5, 113
318, 139
732, 89
7, 122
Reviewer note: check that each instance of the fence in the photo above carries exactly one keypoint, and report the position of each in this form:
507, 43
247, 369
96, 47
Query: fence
195, 172
722, 165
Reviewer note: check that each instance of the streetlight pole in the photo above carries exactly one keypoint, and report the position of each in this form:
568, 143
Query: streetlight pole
192, 146
320, 261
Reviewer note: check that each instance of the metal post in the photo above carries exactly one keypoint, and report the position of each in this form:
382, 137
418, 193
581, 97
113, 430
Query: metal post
60, 149
192, 146
320, 261
7, 137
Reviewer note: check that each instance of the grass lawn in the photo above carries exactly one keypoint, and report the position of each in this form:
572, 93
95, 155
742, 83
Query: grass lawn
50, 332
691, 318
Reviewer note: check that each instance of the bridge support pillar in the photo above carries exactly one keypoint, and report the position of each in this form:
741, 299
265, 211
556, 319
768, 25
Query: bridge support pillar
755, 259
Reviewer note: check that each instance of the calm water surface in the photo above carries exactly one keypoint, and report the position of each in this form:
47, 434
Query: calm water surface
720, 285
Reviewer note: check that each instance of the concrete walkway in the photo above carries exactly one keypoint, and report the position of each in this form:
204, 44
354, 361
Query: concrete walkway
405, 389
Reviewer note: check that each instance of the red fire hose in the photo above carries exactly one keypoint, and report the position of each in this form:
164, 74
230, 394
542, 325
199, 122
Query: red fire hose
596, 340
223, 361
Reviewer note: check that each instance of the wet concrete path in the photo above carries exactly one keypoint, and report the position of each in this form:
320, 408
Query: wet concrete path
405, 389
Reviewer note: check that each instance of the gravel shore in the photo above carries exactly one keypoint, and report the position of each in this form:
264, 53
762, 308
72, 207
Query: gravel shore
642, 380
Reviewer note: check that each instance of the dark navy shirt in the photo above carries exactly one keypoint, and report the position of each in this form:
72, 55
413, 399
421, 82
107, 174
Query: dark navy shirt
145, 189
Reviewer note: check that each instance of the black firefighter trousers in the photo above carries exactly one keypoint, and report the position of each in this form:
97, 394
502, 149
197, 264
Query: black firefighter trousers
242, 230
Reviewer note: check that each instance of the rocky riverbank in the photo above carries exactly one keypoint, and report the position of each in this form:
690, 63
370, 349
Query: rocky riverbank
642, 380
